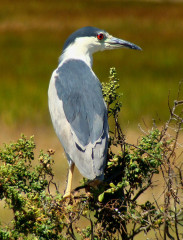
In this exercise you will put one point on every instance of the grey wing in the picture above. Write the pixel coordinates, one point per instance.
(83, 104)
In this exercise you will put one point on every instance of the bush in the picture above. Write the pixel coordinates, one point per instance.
(112, 207)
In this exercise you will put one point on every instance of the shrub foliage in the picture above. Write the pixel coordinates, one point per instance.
(117, 208)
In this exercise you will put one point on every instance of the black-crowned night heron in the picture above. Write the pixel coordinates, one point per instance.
(76, 104)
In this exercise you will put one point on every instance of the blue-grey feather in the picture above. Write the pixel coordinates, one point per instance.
(81, 94)
(82, 32)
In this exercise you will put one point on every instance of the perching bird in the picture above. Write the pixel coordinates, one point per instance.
(76, 104)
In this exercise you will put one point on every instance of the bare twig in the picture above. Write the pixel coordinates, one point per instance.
(143, 189)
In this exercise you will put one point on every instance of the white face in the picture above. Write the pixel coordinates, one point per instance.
(93, 44)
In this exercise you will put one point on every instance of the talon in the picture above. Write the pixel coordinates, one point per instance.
(67, 195)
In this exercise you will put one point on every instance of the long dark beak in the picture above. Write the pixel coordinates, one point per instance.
(119, 43)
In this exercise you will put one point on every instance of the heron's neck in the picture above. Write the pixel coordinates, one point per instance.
(77, 52)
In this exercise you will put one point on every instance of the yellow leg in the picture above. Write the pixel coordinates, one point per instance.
(69, 181)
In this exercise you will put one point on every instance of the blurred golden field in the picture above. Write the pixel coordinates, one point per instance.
(32, 34)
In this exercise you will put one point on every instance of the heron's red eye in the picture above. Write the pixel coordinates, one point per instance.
(100, 36)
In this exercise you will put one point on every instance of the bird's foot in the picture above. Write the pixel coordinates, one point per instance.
(67, 195)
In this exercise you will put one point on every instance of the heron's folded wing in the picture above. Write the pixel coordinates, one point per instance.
(80, 91)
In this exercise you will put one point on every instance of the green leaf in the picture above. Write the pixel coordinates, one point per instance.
(101, 197)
